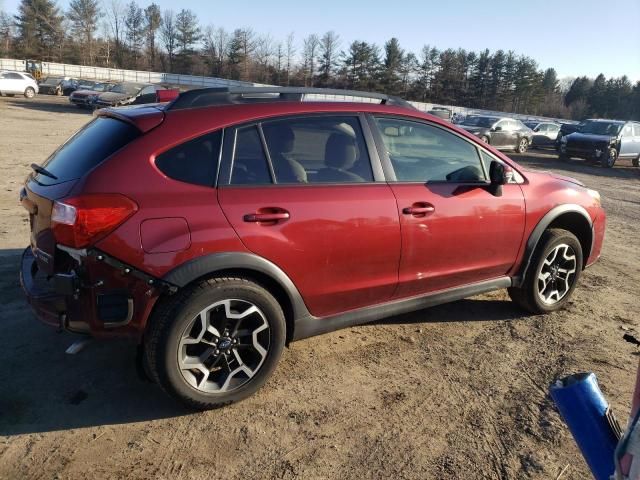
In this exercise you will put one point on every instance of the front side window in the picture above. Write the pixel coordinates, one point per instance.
(627, 131)
(195, 161)
(322, 149)
(636, 130)
(424, 153)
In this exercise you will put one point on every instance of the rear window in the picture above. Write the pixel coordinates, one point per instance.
(87, 149)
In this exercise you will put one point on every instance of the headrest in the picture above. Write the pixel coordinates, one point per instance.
(340, 152)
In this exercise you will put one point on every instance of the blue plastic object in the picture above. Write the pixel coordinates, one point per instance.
(584, 409)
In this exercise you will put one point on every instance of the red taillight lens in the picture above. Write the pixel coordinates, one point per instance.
(79, 221)
(167, 95)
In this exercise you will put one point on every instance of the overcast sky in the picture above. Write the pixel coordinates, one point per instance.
(583, 37)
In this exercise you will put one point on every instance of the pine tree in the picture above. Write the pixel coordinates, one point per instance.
(39, 26)
(188, 33)
(391, 74)
(134, 27)
(83, 15)
(328, 59)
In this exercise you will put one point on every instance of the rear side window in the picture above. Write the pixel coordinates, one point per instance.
(87, 149)
(249, 161)
(195, 161)
(323, 149)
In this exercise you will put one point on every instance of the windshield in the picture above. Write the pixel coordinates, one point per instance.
(479, 121)
(601, 128)
(52, 81)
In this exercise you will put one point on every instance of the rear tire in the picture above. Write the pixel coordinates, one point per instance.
(216, 342)
(29, 92)
(552, 275)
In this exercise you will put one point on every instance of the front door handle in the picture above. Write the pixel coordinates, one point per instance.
(419, 209)
(275, 215)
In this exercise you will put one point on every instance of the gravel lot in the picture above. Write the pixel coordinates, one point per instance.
(455, 392)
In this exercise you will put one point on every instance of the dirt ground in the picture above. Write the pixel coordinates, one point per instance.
(454, 392)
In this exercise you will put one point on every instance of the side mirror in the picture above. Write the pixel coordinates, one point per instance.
(536, 129)
(499, 174)
(497, 129)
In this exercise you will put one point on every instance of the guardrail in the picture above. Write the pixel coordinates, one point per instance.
(120, 75)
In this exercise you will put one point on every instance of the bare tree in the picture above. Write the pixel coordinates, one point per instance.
(290, 52)
(116, 15)
(264, 53)
(329, 45)
(221, 40)
(168, 32)
(6, 33)
(309, 55)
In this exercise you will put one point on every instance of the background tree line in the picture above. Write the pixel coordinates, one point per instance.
(113, 33)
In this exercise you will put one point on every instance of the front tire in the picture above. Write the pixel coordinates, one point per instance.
(552, 275)
(485, 139)
(29, 92)
(523, 145)
(215, 343)
(609, 160)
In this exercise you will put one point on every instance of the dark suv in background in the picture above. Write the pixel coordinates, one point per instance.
(217, 228)
(502, 133)
(603, 141)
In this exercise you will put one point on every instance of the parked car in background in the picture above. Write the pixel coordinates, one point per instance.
(57, 86)
(502, 133)
(87, 92)
(127, 94)
(441, 112)
(566, 129)
(603, 141)
(215, 229)
(545, 134)
(18, 83)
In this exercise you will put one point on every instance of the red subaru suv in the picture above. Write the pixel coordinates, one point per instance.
(218, 228)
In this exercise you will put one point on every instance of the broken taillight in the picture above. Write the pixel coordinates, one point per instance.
(78, 222)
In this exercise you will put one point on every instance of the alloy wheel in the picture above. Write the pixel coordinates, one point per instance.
(223, 347)
(522, 146)
(557, 274)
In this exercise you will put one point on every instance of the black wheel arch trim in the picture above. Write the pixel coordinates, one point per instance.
(540, 228)
(202, 266)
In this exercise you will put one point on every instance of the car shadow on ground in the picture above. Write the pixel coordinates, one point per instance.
(54, 104)
(43, 389)
(545, 159)
(468, 310)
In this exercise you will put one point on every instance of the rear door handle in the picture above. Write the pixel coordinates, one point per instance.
(267, 217)
(419, 209)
